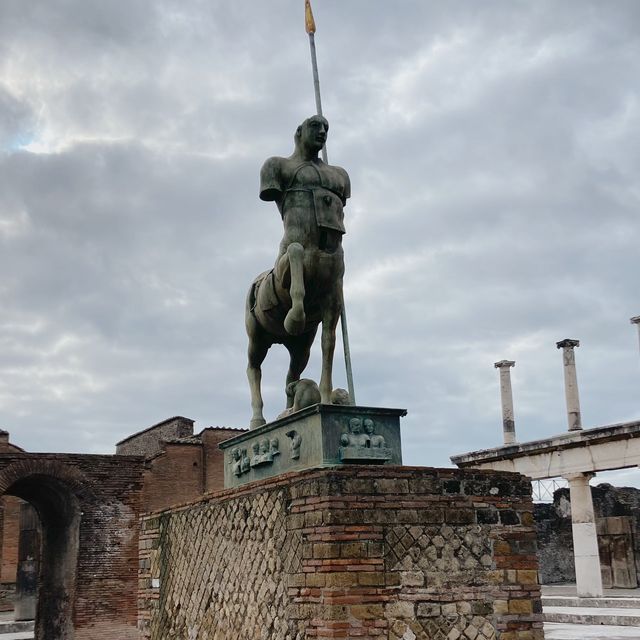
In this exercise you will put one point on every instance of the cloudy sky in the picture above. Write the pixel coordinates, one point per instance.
(494, 155)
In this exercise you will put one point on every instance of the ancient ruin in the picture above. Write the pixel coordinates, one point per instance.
(576, 456)
(305, 527)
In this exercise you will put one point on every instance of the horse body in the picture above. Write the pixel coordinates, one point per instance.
(269, 302)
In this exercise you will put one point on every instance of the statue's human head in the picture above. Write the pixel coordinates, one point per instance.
(235, 454)
(368, 426)
(355, 425)
(264, 445)
(311, 135)
(256, 448)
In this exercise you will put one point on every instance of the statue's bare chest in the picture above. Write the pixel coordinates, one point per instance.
(311, 175)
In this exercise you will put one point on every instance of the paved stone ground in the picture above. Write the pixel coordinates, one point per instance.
(552, 630)
(627, 606)
(561, 631)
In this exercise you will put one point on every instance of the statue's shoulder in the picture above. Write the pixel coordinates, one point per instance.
(271, 178)
(273, 162)
(344, 182)
(342, 172)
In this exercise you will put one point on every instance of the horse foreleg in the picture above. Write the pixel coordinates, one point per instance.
(295, 320)
(257, 354)
(299, 349)
(328, 343)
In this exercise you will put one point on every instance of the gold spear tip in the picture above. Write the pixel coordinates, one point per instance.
(309, 22)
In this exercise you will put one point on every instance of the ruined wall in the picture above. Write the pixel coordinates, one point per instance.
(555, 540)
(185, 470)
(102, 493)
(214, 457)
(173, 477)
(9, 531)
(148, 442)
(350, 552)
(553, 525)
(10, 528)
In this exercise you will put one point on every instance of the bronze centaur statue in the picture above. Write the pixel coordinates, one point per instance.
(287, 304)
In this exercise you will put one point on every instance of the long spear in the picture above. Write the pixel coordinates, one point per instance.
(310, 27)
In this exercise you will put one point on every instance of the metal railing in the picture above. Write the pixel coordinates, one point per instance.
(543, 490)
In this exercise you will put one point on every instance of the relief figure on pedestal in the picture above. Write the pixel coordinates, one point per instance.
(245, 465)
(255, 458)
(296, 441)
(374, 440)
(364, 448)
(355, 437)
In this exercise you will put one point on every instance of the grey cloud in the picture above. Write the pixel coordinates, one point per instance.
(494, 158)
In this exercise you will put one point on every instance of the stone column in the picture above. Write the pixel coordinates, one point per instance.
(585, 539)
(508, 423)
(571, 382)
(636, 320)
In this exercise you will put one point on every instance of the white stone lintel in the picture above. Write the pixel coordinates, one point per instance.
(588, 451)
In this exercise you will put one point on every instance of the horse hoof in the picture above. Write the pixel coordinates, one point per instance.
(294, 323)
(256, 422)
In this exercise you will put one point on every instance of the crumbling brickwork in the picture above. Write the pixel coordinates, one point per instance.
(148, 442)
(351, 552)
(89, 508)
(185, 469)
(10, 510)
(555, 538)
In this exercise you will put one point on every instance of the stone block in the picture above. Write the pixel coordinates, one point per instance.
(428, 610)
(522, 606)
(318, 436)
(400, 609)
(412, 578)
(367, 611)
(527, 576)
(500, 607)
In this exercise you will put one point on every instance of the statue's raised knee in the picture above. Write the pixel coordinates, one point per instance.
(295, 320)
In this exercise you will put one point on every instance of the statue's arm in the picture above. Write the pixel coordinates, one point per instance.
(346, 185)
(271, 187)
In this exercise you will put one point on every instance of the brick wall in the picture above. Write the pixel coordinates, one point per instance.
(103, 494)
(353, 552)
(10, 531)
(173, 477)
(214, 457)
(184, 471)
(149, 442)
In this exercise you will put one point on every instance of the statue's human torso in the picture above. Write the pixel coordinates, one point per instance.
(308, 190)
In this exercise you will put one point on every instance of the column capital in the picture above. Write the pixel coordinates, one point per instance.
(504, 363)
(587, 475)
(635, 320)
(568, 342)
